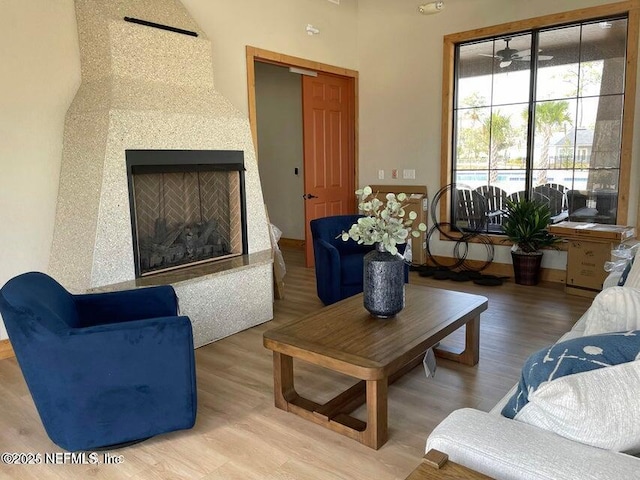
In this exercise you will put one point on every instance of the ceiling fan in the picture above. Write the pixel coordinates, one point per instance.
(507, 55)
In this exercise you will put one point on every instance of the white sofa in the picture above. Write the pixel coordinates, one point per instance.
(508, 449)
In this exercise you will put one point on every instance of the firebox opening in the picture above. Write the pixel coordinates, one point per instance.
(187, 207)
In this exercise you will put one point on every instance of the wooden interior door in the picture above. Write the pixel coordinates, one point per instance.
(329, 149)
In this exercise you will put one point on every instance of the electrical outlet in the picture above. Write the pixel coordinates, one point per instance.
(394, 173)
(408, 173)
(380, 174)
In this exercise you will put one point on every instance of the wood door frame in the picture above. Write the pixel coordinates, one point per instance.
(254, 54)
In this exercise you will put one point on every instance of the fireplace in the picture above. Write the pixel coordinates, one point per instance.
(149, 88)
(187, 207)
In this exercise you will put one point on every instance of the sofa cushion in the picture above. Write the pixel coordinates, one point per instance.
(614, 309)
(505, 449)
(585, 389)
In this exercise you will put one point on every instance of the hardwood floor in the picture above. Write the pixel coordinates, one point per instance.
(239, 434)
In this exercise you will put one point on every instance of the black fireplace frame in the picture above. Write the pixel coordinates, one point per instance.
(171, 161)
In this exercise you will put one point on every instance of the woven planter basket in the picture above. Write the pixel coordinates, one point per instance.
(526, 267)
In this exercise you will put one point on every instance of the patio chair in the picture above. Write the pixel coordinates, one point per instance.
(521, 195)
(496, 203)
(470, 210)
(555, 201)
(564, 190)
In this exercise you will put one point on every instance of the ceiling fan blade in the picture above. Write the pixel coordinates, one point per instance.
(527, 58)
(487, 55)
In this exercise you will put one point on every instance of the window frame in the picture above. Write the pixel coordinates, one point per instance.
(631, 8)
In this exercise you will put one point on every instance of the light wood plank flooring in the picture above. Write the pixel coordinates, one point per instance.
(239, 434)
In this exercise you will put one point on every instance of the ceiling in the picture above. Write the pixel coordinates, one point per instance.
(593, 41)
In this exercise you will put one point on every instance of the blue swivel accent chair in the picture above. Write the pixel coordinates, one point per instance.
(339, 264)
(103, 369)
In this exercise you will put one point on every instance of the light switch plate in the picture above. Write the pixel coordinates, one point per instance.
(409, 173)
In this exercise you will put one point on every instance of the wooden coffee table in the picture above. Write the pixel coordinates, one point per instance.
(343, 337)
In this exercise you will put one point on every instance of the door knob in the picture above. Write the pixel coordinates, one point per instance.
(308, 196)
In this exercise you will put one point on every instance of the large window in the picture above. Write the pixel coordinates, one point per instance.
(539, 113)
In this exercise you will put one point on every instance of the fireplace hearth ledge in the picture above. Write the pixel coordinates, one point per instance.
(216, 316)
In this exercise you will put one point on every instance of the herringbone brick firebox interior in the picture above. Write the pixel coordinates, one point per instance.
(184, 215)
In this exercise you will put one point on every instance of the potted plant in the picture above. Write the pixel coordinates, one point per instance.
(525, 224)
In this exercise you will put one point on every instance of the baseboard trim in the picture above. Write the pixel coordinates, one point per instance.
(291, 243)
(581, 292)
(6, 350)
(506, 269)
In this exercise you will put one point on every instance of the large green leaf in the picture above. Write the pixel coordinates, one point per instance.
(525, 224)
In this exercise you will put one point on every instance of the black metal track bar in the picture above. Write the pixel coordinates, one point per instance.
(159, 25)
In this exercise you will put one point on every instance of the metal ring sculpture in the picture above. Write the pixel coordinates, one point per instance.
(461, 257)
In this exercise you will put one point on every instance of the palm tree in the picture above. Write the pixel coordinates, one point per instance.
(472, 142)
(549, 117)
(502, 137)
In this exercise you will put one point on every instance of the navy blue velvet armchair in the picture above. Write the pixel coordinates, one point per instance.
(338, 264)
(103, 369)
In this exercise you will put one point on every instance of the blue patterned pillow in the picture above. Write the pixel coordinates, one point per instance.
(572, 356)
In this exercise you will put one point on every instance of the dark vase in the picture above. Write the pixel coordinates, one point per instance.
(383, 279)
(526, 267)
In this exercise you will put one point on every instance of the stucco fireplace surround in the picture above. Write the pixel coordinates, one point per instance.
(148, 88)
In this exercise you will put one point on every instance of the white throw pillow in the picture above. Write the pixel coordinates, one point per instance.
(598, 407)
(613, 310)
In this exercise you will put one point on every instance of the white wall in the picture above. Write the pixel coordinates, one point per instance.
(400, 65)
(40, 75)
(279, 118)
(397, 51)
(276, 25)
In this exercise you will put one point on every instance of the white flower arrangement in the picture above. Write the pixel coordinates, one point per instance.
(383, 225)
